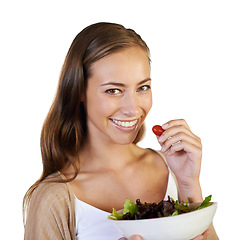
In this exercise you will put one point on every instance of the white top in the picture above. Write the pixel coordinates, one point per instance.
(92, 223)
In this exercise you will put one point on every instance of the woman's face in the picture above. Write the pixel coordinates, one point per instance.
(118, 96)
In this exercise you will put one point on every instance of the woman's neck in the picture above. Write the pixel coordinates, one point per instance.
(95, 156)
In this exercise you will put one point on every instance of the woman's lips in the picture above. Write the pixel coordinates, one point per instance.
(125, 123)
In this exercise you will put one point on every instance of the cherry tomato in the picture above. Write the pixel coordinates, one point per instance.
(157, 130)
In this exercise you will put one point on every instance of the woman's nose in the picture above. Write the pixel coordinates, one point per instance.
(130, 106)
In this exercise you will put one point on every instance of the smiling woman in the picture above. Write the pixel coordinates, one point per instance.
(68, 130)
(91, 162)
(117, 109)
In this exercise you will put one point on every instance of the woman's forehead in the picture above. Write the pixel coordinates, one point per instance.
(128, 63)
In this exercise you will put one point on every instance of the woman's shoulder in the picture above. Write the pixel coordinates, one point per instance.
(150, 153)
(158, 158)
(153, 157)
(51, 210)
(158, 155)
(51, 191)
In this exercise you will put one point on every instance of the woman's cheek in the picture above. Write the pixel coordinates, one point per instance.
(146, 103)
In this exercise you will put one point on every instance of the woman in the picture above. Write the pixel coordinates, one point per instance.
(91, 162)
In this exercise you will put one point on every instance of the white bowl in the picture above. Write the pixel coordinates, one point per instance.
(180, 227)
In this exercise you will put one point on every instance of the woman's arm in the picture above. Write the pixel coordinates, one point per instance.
(51, 213)
(183, 152)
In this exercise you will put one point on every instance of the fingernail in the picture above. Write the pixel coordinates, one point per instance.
(136, 238)
(165, 126)
(200, 238)
(161, 138)
(162, 149)
(209, 231)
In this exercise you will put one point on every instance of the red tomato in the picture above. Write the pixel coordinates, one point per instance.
(157, 130)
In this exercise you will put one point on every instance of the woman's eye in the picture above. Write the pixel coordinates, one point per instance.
(144, 88)
(113, 91)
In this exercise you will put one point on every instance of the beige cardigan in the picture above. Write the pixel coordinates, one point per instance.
(51, 213)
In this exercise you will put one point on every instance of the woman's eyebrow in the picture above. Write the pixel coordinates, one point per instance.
(122, 84)
(144, 81)
(113, 83)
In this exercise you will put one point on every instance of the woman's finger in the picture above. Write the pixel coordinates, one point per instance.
(170, 142)
(204, 235)
(170, 132)
(134, 237)
(183, 145)
(199, 237)
(177, 122)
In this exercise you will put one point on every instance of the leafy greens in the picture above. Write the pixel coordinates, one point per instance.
(138, 210)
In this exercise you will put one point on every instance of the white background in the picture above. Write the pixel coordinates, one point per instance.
(194, 51)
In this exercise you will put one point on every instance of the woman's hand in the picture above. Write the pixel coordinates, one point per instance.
(204, 235)
(200, 237)
(134, 237)
(183, 152)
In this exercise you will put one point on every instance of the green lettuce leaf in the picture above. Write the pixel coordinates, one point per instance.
(181, 206)
(206, 202)
(129, 206)
(115, 215)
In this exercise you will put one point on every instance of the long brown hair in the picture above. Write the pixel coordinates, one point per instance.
(65, 128)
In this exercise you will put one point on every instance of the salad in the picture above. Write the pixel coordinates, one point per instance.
(138, 210)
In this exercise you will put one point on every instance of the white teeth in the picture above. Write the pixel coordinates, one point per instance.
(125, 124)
